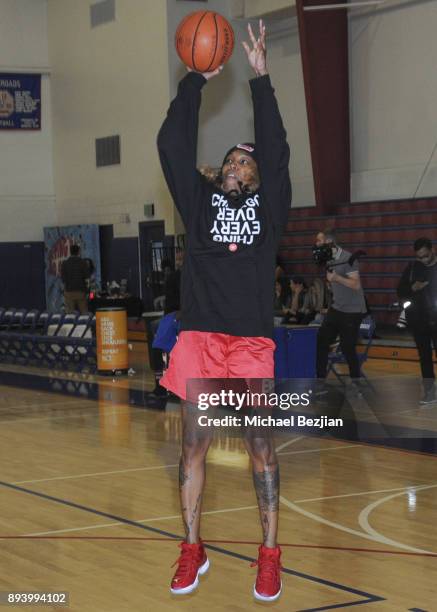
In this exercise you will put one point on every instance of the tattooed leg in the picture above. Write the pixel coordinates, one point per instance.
(265, 470)
(195, 444)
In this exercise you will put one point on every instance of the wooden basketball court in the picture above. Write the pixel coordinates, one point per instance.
(89, 505)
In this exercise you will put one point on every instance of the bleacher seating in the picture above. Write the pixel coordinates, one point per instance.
(54, 340)
(385, 230)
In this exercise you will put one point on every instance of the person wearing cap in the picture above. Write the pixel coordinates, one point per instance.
(234, 221)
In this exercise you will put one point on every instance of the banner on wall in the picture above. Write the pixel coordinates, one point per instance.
(20, 101)
(57, 243)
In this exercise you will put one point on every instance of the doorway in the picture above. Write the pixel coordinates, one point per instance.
(151, 234)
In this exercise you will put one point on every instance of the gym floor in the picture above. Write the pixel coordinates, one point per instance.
(90, 502)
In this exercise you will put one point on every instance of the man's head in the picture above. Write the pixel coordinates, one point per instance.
(297, 283)
(239, 171)
(424, 251)
(326, 236)
(74, 250)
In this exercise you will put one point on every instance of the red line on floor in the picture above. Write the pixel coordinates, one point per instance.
(284, 545)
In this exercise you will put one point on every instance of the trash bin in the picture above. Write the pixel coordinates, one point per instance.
(112, 348)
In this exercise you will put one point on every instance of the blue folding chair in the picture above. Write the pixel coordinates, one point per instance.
(30, 321)
(39, 344)
(78, 348)
(58, 330)
(7, 317)
(18, 319)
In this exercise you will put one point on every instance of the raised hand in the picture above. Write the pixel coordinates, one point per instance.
(257, 54)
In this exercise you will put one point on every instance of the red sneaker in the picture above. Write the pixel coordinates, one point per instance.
(192, 562)
(268, 585)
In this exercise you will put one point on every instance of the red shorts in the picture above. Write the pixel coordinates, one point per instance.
(210, 355)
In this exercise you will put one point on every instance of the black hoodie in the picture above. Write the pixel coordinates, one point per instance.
(231, 243)
(423, 308)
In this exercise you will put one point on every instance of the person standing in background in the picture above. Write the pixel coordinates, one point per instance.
(346, 312)
(418, 285)
(297, 304)
(74, 273)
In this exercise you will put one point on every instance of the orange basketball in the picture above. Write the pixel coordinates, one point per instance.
(204, 40)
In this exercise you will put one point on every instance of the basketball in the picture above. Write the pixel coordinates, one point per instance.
(204, 40)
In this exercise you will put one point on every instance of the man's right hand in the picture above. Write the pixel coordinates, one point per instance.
(419, 285)
(208, 75)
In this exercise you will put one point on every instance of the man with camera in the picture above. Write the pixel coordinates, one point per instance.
(417, 290)
(348, 307)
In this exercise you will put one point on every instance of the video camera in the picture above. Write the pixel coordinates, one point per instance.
(323, 255)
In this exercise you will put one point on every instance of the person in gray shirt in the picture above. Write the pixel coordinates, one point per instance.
(347, 310)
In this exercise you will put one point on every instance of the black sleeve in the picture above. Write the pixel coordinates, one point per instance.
(172, 293)
(272, 150)
(177, 144)
(404, 290)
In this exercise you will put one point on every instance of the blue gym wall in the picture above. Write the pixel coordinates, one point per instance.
(119, 259)
(22, 281)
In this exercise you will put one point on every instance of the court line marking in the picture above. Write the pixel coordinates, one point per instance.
(340, 527)
(369, 598)
(363, 519)
(292, 441)
(301, 501)
(24, 420)
(320, 450)
(148, 520)
(249, 542)
(86, 381)
(416, 410)
(68, 401)
(377, 446)
(311, 450)
(175, 516)
(153, 467)
(60, 406)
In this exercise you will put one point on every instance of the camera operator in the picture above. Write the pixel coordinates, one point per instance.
(418, 285)
(348, 306)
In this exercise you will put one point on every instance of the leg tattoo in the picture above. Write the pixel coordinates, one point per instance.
(195, 445)
(267, 489)
(183, 475)
(267, 492)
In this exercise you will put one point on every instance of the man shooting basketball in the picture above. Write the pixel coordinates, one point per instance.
(233, 228)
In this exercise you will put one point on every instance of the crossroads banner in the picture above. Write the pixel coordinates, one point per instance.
(20, 101)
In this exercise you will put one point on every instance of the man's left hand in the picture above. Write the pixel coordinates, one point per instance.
(331, 277)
